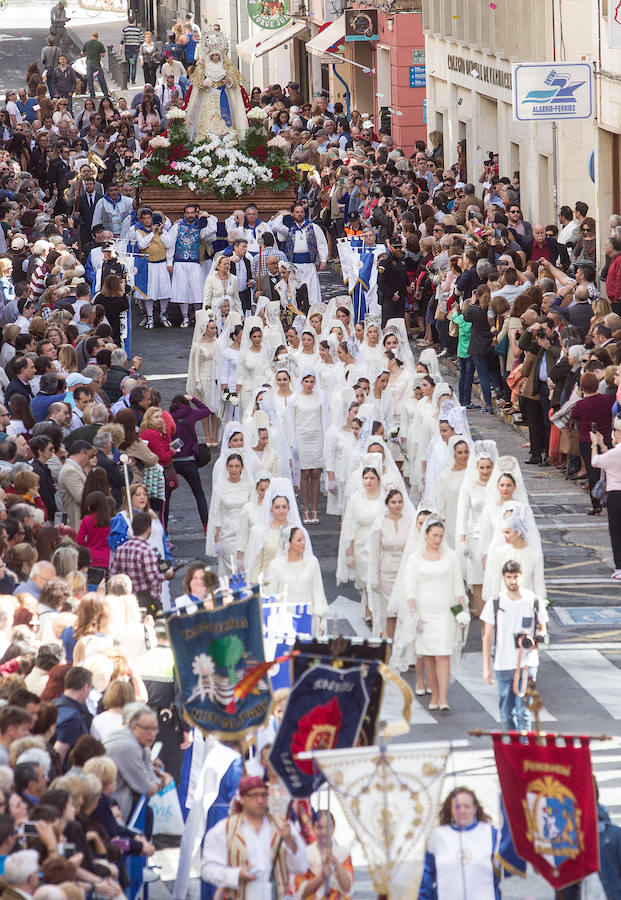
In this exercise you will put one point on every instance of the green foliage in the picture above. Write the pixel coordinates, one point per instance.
(227, 652)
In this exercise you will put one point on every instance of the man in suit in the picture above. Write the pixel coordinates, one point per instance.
(240, 266)
(91, 191)
(24, 373)
(71, 481)
(542, 247)
(270, 279)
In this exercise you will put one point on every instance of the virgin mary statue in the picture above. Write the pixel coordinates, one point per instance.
(216, 105)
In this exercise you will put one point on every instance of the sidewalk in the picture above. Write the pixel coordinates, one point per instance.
(108, 26)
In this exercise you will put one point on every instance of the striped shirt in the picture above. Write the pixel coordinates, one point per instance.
(265, 255)
(132, 36)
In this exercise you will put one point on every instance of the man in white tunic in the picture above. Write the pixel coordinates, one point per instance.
(248, 851)
(183, 242)
(305, 246)
(250, 225)
(112, 210)
(147, 234)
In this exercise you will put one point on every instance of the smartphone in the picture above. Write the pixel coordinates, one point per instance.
(156, 749)
(177, 444)
(593, 427)
(29, 829)
(157, 219)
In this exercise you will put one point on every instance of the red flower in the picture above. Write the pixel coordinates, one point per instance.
(317, 730)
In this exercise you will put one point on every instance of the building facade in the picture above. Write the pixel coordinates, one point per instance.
(471, 48)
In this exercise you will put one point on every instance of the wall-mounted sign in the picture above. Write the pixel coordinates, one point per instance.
(418, 76)
(418, 57)
(360, 24)
(614, 25)
(544, 91)
(268, 13)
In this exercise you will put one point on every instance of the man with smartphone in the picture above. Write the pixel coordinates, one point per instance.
(147, 236)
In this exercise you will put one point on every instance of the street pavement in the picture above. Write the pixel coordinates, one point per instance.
(579, 676)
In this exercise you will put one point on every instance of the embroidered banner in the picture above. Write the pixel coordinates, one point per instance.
(214, 650)
(325, 710)
(549, 800)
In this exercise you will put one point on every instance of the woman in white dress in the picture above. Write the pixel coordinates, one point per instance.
(296, 571)
(308, 357)
(521, 542)
(250, 514)
(433, 586)
(260, 449)
(340, 444)
(371, 349)
(230, 494)
(228, 376)
(387, 541)
(379, 396)
(427, 430)
(232, 439)
(204, 371)
(361, 511)
(397, 390)
(330, 370)
(221, 283)
(279, 509)
(428, 364)
(315, 317)
(308, 419)
(253, 362)
(506, 486)
(402, 350)
(469, 518)
(417, 424)
(451, 480)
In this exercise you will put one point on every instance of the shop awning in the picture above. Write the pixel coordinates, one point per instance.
(329, 37)
(264, 41)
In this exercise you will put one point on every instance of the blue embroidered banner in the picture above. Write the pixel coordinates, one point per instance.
(214, 649)
(324, 711)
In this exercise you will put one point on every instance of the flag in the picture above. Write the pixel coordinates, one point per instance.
(325, 709)
(549, 800)
(214, 650)
(505, 857)
(391, 799)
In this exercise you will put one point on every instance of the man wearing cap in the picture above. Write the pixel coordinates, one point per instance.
(305, 246)
(250, 852)
(147, 235)
(392, 282)
(72, 381)
(48, 393)
(112, 209)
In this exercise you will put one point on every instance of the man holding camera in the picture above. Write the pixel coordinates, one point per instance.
(514, 624)
(542, 347)
(147, 234)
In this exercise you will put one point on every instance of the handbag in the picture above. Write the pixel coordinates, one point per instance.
(502, 347)
(203, 455)
(154, 481)
(172, 482)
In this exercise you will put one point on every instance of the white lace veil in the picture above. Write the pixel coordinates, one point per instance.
(481, 450)
(429, 358)
(220, 483)
(278, 487)
(374, 461)
(404, 351)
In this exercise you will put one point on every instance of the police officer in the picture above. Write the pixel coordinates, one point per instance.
(392, 282)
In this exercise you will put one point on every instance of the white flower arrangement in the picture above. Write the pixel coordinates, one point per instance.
(175, 113)
(278, 141)
(256, 113)
(159, 141)
(232, 398)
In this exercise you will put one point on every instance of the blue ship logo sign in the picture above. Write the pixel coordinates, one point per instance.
(557, 96)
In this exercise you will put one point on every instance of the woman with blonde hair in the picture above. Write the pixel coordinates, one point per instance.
(601, 308)
(91, 630)
(68, 359)
(7, 290)
(116, 696)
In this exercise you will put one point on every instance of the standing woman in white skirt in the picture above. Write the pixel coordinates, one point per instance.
(308, 419)
(449, 487)
(278, 510)
(470, 505)
(433, 585)
(362, 510)
(340, 444)
(397, 390)
(296, 569)
(228, 376)
(204, 372)
(253, 362)
(387, 540)
(250, 514)
(230, 494)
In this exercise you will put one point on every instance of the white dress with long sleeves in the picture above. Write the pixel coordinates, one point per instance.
(228, 379)
(448, 494)
(469, 524)
(227, 502)
(250, 373)
(360, 514)
(303, 581)
(386, 549)
(339, 448)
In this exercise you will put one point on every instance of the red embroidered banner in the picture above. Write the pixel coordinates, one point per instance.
(550, 803)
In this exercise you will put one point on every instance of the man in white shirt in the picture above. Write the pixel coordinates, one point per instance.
(570, 227)
(13, 109)
(514, 623)
(511, 286)
(251, 851)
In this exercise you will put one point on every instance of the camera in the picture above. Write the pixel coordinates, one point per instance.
(524, 641)
(541, 333)
(69, 849)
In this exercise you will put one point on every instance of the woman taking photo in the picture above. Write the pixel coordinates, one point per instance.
(459, 863)
(187, 412)
(140, 457)
(608, 462)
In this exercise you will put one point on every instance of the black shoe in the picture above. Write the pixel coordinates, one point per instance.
(545, 461)
(533, 460)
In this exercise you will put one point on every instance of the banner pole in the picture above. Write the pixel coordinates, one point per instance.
(479, 732)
